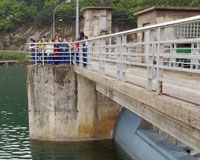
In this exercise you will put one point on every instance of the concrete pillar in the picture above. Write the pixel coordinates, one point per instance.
(97, 113)
(64, 106)
(97, 21)
(52, 102)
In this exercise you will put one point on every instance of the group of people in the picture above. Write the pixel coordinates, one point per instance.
(59, 50)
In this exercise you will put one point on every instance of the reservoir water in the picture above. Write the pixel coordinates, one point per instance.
(14, 133)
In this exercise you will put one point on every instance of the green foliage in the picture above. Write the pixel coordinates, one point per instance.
(16, 12)
(14, 56)
(13, 13)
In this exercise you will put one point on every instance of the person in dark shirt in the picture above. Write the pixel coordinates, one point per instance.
(84, 48)
(66, 57)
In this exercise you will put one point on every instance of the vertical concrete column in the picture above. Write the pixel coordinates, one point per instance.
(107, 116)
(64, 106)
(97, 114)
(86, 105)
(52, 103)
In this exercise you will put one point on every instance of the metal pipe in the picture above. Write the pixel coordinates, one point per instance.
(54, 23)
(77, 18)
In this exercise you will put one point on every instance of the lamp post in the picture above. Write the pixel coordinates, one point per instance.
(77, 18)
(54, 13)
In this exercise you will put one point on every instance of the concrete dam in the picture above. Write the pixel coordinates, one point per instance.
(66, 106)
(139, 87)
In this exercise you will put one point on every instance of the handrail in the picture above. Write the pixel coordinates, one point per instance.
(147, 60)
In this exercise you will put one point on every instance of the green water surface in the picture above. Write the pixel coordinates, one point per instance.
(14, 132)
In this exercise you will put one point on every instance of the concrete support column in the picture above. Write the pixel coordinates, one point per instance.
(64, 106)
(52, 103)
(97, 113)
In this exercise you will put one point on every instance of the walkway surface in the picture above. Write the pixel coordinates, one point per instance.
(136, 76)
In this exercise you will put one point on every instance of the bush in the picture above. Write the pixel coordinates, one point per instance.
(14, 56)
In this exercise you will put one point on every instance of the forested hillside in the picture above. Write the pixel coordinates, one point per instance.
(16, 12)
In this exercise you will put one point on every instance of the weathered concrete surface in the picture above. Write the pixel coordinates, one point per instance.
(97, 21)
(177, 118)
(66, 107)
(97, 113)
(156, 15)
(52, 108)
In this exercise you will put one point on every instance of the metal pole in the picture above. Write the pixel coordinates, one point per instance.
(77, 18)
(53, 33)
(54, 19)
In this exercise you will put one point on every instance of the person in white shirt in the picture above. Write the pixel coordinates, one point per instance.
(49, 51)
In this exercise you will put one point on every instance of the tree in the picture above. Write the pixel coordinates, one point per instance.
(16, 12)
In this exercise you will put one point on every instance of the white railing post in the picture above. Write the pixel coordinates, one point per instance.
(103, 43)
(36, 52)
(101, 56)
(89, 55)
(149, 58)
(160, 50)
(110, 49)
(198, 53)
(43, 54)
(192, 61)
(81, 54)
(77, 53)
(174, 59)
(119, 40)
(70, 55)
(123, 57)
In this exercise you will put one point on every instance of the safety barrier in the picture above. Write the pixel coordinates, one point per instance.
(151, 53)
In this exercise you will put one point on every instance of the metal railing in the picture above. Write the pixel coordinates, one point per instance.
(52, 53)
(145, 55)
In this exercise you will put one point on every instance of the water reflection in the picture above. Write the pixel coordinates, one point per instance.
(14, 133)
(91, 150)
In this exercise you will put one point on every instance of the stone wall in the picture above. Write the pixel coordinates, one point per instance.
(170, 15)
(147, 19)
(157, 16)
(93, 21)
(64, 106)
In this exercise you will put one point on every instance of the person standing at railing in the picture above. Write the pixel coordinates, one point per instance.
(49, 51)
(85, 52)
(77, 51)
(33, 47)
(66, 57)
(56, 37)
(60, 56)
(72, 48)
(42, 51)
(56, 53)
(84, 49)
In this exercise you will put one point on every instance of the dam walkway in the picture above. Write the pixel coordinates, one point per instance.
(152, 71)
